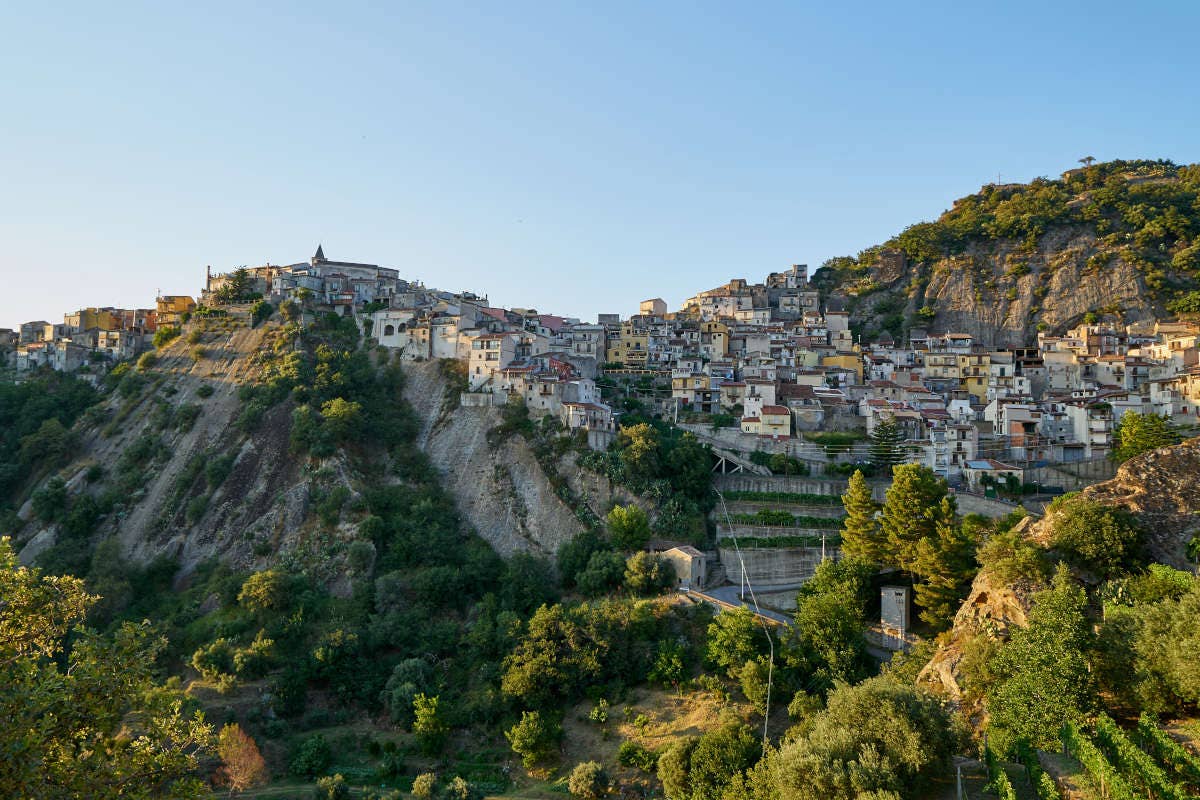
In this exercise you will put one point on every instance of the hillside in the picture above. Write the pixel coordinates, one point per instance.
(1118, 240)
(1156, 488)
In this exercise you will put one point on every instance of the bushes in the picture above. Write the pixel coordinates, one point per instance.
(535, 738)
(588, 781)
(1102, 538)
(165, 335)
(147, 360)
(632, 754)
(311, 758)
(1135, 765)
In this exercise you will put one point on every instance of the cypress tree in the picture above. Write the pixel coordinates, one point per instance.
(860, 530)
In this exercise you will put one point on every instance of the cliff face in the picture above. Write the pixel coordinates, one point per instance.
(256, 511)
(501, 491)
(1000, 293)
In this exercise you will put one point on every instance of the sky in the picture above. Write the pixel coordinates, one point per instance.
(574, 158)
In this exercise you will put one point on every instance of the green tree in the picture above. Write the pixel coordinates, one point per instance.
(1042, 676)
(603, 573)
(268, 591)
(826, 642)
(1139, 433)
(534, 738)
(735, 637)
(342, 418)
(428, 726)
(718, 756)
(423, 785)
(674, 766)
(647, 574)
(1105, 539)
(945, 566)
(887, 444)
(628, 527)
(860, 530)
(588, 781)
(639, 448)
(312, 757)
(912, 510)
(879, 738)
(88, 722)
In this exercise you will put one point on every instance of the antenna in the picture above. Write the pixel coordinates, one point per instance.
(758, 615)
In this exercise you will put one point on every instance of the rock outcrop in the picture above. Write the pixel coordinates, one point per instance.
(501, 491)
(1000, 293)
(1159, 487)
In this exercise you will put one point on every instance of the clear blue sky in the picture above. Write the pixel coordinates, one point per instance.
(553, 155)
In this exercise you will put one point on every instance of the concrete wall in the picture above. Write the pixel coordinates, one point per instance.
(739, 482)
(1073, 476)
(984, 506)
(773, 566)
(482, 400)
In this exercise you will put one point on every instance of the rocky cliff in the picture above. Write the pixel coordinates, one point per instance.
(1158, 487)
(501, 490)
(1002, 293)
(196, 485)
(1118, 241)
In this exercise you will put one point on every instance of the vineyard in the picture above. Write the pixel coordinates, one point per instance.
(1146, 764)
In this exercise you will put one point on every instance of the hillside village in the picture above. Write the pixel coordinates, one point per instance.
(749, 367)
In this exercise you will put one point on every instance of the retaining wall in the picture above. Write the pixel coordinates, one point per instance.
(773, 566)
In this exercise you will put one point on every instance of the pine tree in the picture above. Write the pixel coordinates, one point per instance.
(860, 530)
(945, 566)
(911, 512)
(887, 445)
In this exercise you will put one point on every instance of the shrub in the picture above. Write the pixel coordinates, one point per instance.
(312, 757)
(147, 360)
(534, 738)
(204, 391)
(423, 785)
(198, 353)
(1102, 538)
(632, 754)
(164, 336)
(331, 788)
(588, 780)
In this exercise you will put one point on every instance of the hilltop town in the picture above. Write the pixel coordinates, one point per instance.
(750, 368)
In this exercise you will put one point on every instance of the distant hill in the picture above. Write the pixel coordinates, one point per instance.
(1118, 240)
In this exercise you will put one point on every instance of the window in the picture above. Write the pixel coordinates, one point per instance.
(389, 330)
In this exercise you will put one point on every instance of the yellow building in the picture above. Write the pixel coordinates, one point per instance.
(172, 307)
(974, 370)
(942, 365)
(630, 347)
(851, 362)
(88, 318)
(775, 421)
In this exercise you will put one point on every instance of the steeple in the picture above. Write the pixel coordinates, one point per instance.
(320, 256)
